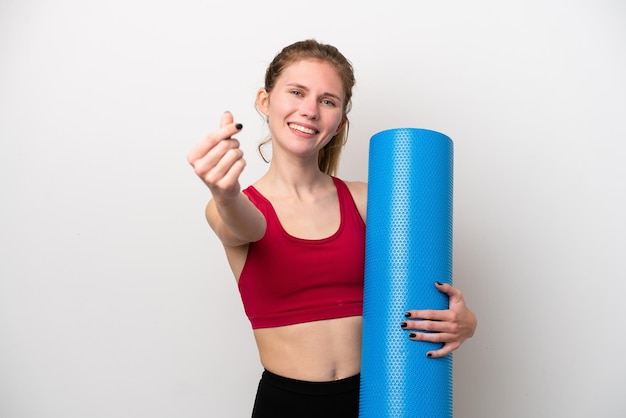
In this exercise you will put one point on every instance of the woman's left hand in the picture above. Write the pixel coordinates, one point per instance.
(450, 327)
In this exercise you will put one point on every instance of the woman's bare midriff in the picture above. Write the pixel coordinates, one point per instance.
(316, 351)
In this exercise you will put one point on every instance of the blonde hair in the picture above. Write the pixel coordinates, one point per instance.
(328, 159)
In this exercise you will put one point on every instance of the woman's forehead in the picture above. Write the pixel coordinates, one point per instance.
(313, 74)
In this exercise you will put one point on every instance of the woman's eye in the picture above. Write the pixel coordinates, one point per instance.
(328, 102)
(296, 93)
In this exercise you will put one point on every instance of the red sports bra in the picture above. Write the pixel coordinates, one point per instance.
(288, 280)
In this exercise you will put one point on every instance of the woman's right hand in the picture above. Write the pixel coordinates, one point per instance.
(218, 160)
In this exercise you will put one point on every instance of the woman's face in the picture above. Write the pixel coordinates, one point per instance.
(305, 108)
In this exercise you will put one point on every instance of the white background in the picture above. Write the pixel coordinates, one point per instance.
(115, 297)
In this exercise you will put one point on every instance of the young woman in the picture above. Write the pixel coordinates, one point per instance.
(295, 240)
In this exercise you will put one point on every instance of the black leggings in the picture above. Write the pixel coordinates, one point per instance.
(279, 397)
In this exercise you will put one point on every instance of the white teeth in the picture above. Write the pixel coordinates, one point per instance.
(302, 129)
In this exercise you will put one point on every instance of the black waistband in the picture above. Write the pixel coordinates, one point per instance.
(333, 387)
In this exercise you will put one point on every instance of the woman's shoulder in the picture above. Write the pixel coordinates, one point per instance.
(358, 190)
(356, 187)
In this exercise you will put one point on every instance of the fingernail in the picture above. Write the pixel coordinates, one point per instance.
(407, 314)
(239, 126)
(429, 355)
(439, 283)
(404, 325)
(412, 335)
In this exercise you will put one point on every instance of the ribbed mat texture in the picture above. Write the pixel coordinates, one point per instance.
(408, 247)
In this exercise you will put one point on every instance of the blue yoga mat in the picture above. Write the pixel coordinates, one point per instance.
(408, 247)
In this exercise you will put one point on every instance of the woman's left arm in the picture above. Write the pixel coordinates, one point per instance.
(450, 327)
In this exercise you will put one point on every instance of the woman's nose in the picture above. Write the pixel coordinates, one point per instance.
(309, 108)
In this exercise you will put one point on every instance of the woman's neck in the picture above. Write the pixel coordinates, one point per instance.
(293, 179)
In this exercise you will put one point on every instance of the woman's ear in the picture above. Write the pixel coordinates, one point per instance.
(263, 101)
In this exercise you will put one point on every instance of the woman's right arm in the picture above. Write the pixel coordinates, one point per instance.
(218, 161)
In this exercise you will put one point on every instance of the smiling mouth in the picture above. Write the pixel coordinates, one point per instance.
(303, 129)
